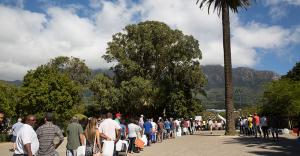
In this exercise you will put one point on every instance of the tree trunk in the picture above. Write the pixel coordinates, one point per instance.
(230, 126)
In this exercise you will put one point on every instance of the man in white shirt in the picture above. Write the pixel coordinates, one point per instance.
(110, 129)
(27, 143)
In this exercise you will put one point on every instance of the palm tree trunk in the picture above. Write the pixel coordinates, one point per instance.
(230, 126)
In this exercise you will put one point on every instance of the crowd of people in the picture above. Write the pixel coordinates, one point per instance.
(131, 134)
(262, 126)
(114, 135)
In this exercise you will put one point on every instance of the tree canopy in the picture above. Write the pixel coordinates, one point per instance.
(166, 58)
(49, 89)
(281, 97)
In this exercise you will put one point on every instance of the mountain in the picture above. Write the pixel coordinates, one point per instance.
(248, 85)
(16, 82)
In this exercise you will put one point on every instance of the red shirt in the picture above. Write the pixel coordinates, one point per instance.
(256, 119)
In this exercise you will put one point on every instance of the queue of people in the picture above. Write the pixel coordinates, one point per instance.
(102, 135)
(110, 135)
(254, 125)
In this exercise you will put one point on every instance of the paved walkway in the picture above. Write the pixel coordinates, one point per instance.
(204, 144)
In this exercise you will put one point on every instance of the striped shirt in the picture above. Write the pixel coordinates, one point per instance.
(46, 134)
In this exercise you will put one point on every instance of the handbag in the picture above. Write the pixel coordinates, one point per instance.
(88, 149)
(96, 153)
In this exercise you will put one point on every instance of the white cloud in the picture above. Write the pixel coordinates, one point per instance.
(255, 35)
(277, 12)
(278, 8)
(276, 2)
(29, 39)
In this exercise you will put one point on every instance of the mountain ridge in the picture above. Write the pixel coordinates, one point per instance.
(248, 85)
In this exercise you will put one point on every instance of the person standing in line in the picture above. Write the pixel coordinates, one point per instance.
(133, 131)
(110, 130)
(118, 118)
(75, 137)
(148, 131)
(264, 126)
(246, 125)
(27, 143)
(210, 124)
(177, 126)
(92, 138)
(167, 127)
(141, 121)
(160, 130)
(50, 137)
(256, 125)
(15, 129)
(250, 124)
(275, 125)
(242, 125)
(154, 131)
(123, 129)
(173, 128)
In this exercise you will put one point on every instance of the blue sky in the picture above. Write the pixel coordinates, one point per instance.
(266, 36)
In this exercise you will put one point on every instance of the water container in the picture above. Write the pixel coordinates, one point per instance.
(108, 148)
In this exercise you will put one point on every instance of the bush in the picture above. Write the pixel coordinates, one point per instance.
(4, 137)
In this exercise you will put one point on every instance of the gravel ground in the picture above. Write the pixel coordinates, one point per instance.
(205, 144)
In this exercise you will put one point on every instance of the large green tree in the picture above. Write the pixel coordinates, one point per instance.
(166, 57)
(48, 89)
(223, 6)
(281, 97)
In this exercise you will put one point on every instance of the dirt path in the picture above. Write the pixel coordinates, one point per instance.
(204, 144)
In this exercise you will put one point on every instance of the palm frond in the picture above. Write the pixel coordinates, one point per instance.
(233, 5)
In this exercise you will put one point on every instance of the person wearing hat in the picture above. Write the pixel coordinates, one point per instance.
(141, 121)
(118, 118)
(250, 124)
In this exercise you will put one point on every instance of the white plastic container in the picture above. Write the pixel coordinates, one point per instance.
(108, 148)
(119, 145)
(144, 138)
(81, 151)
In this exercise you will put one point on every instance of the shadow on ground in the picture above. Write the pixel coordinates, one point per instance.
(268, 147)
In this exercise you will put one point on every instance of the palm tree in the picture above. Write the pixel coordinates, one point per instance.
(224, 6)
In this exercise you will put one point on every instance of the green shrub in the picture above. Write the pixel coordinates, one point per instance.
(4, 137)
